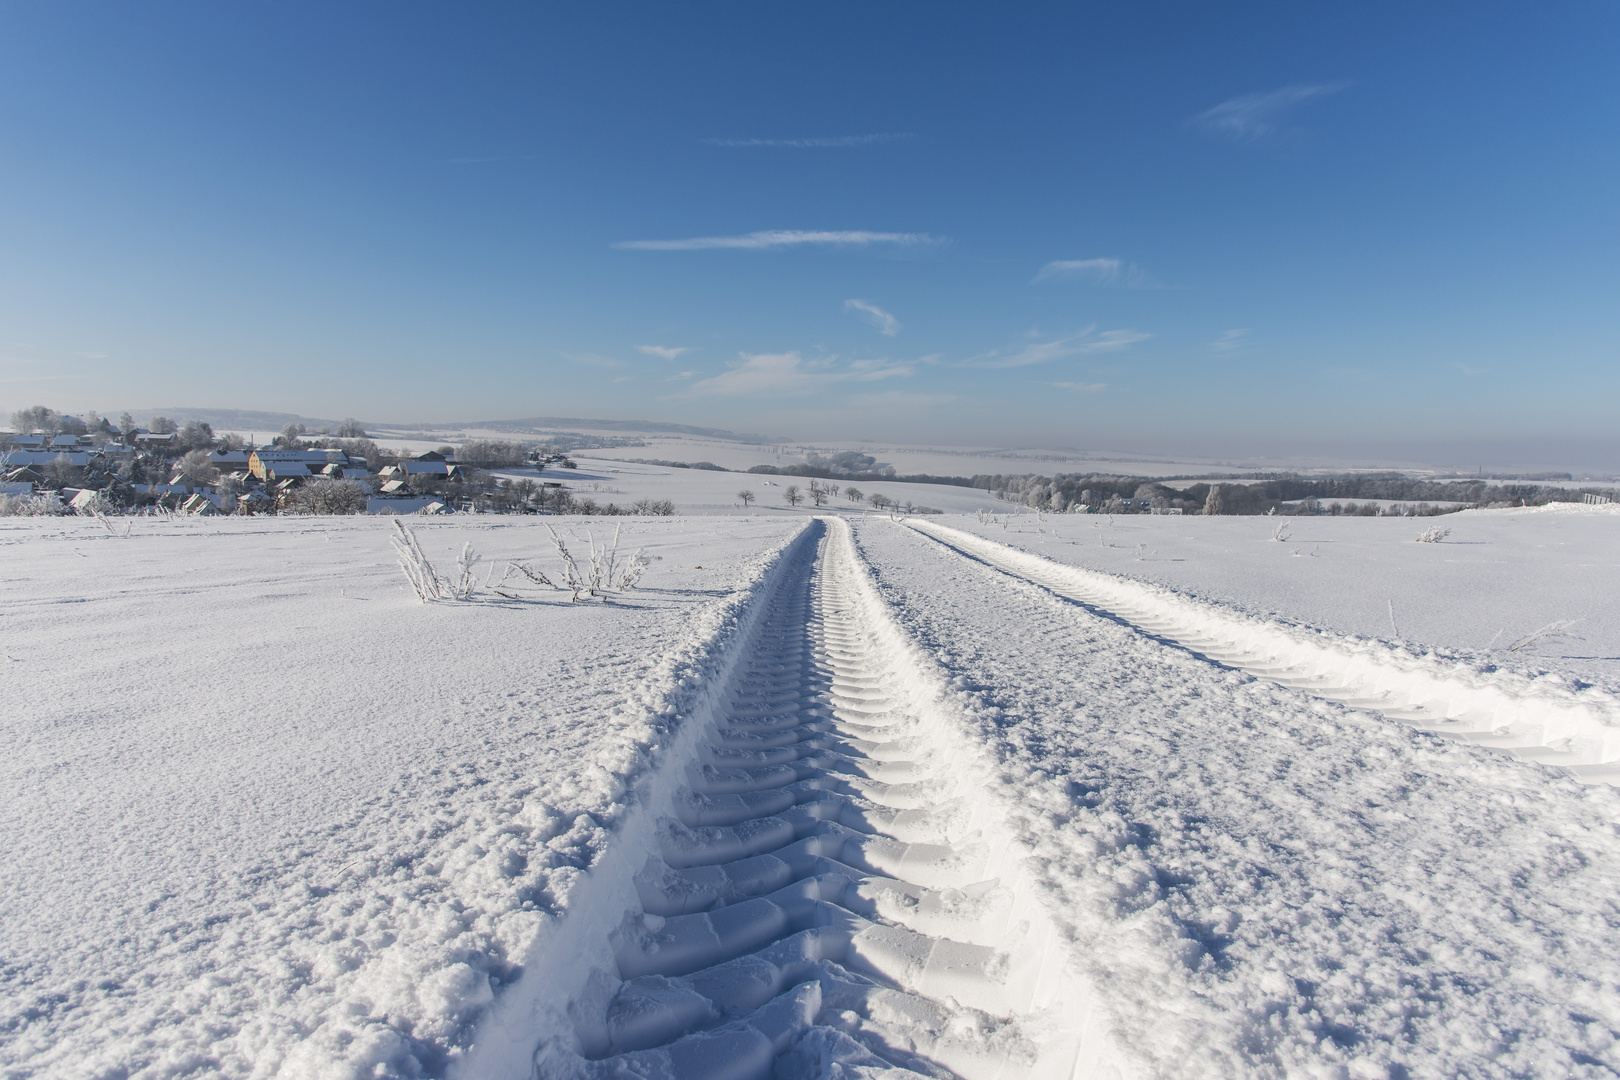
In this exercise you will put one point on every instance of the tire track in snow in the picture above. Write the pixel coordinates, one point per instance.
(826, 894)
(1580, 733)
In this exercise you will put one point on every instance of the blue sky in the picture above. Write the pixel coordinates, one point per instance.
(1361, 230)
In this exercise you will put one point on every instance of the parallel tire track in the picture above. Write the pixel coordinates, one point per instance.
(829, 895)
(1578, 732)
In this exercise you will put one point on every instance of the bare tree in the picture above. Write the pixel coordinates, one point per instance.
(818, 493)
(853, 494)
(745, 497)
(878, 500)
(792, 494)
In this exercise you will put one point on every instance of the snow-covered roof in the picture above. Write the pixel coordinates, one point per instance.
(42, 457)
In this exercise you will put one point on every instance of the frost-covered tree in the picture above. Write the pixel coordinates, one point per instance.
(745, 497)
(351, 429)
(196, 468)
(879, 500)
(37, 420)
(1212, 502)
(162, 425)
(196, 435)
(793, 495)
(853, 494)
(59, 472)
(330, 497)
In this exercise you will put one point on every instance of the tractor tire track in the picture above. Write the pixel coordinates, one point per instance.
(1577, 732)
(829, 893)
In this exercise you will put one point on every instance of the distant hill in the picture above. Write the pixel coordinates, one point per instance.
(253, 420)
(551, 423)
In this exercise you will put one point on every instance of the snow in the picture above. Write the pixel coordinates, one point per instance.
(1496, 579)
(707, 492)
(1263, 884)
(268, 815)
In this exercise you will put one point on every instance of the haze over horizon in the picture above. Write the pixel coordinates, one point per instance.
(1365, 232)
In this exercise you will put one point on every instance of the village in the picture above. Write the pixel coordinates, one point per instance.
(55, 464)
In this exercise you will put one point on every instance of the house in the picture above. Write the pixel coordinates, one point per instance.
(434, 507)
(271, 465)
(286, 462)
(394, 487)
(198, 505)
(254, 502)
(146, 440)
(426, 468)
(40, 458)
(85, 500)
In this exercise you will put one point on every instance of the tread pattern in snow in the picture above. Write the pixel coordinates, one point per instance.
(824, 900)
(1579, 734)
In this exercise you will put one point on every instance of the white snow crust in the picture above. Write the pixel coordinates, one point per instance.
(267, 815)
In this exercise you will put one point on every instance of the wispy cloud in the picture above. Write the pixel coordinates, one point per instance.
(1082, 387)
(1230, 341)
(819, 143)
(1041, 352)
(1467, 370)
(1255, 116)
(779, 238)
(783, 374)
(1095, 272)
(886, 324)
(680, 376)
(664, 352)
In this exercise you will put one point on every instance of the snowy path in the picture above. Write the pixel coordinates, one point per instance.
(1532, 720)
(1257, 882)
(826, 885)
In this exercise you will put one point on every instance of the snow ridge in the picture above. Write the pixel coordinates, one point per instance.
(1534, 720)
(821, 889)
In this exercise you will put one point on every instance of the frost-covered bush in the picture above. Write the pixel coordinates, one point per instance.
(1433, 535)
(330, 497)
(31, 506)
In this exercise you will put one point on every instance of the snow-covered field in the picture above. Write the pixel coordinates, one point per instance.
(822, 797)
(701, 491)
